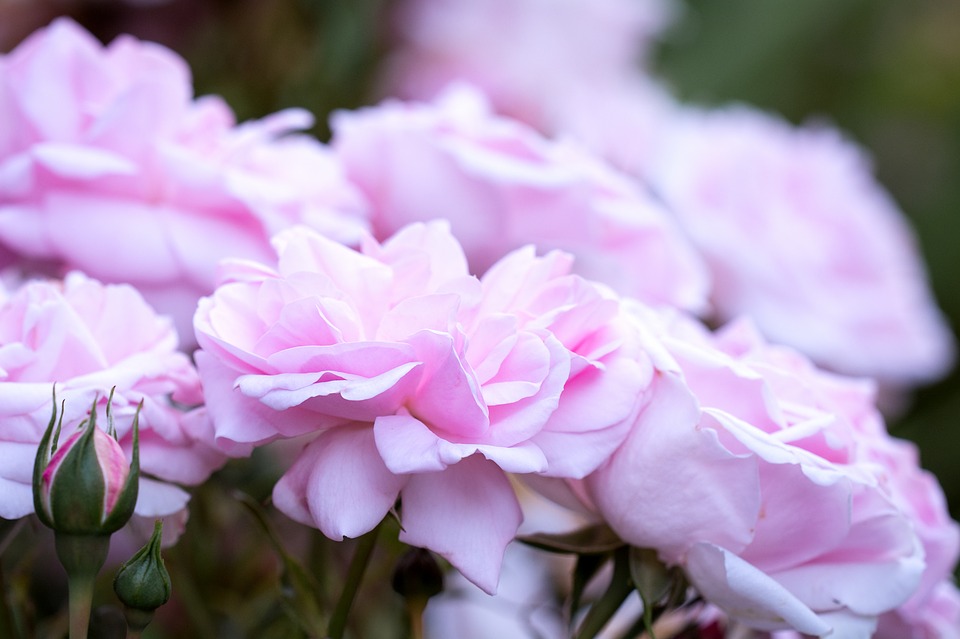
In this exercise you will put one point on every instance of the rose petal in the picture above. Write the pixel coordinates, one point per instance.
(467, 514)
(747, 594)
(339, 484)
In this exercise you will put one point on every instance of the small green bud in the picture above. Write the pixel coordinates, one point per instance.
(143, 583)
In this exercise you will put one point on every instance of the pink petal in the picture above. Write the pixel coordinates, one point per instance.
(747, 594)
(467, 514)
(239, 422)
(672, 484)
(449, 398)
(82, 162)
(339, 484)
(408, 446)
(159, 499)
(528, 418)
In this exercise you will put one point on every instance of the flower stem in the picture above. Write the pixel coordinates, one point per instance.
(358, 565)
(82, 556)
(608, 604)
(81, 600)
(415, 608)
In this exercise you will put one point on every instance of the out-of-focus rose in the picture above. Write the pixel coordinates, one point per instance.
(108, 165)
(502, 185)
(764, 490)
(88, 338)
(419, 381)
(529, 56)
(800, 237)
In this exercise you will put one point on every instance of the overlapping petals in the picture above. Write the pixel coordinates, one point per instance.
(420, 382)
(88, 338)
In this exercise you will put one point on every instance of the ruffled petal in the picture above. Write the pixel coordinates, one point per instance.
(748, 594)
(467, 514)
(339, 484)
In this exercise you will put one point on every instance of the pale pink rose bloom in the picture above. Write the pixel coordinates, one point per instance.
(88, 338)
(800, 236)
(529, 56)
(108, 165)
(502, 185)
(418, 381)
(763, 489)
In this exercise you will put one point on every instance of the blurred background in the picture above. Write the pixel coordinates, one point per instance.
(884, 71)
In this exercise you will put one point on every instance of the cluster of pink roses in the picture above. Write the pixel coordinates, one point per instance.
(384, 305)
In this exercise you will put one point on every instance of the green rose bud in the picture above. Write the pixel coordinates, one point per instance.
(143, 583)
(85, 487)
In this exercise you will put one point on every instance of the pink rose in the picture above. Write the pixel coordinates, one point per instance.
(800, 237)
(763, 491)
(502, 185)
(108, 165)
(418, 381)
(527, 55)
(88, 338)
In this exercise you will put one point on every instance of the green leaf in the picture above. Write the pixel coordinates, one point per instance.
(594, 539)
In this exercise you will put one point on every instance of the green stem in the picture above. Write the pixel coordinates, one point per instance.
(137, 621)
(81, 600)
(415, 608)
(604, 608)
(82, 556)
(358, 565)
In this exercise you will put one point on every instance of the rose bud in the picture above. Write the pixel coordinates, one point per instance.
(143, 583)
(87, 487)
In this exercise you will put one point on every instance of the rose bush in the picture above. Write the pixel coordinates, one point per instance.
(501, 185)
(88, 338)
(98, 138)
(420, 382)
